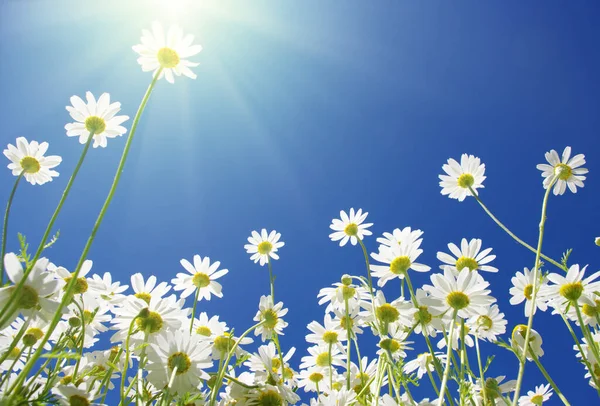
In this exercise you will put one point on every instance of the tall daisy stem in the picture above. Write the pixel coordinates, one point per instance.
(348, 344)
(538, 254)
(194, 309)
(481, 372)
(38, 252)
(583, 357)
(586, 333)
(271, 279)
(5, 225)
(547, 376)
(513, 235)
(88, 244)
(448, 360)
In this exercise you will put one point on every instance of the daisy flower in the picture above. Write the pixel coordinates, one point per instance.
(457, 328)
(423, 363)
(346, 290)
(354, 318)
(342, 397)
(359, 379)
(319, 357)
(396, 344)
(311, 377)
(182, 354)
(37, 295)
(464, 293)
(329, 333)
(590, 310)
(489, 324)
(81, 285)
(427, 315)
(167, 53)
(350, 228)
(109, 291)
(389, 313)
(209, 328)
(28, 158)
(493, 387)
(569, 288)
(568, 170)
(460, 177)
(94, 116)
(267, 363)
(541, 394)
(202, 276)
(399, 259)
(157, 316)
(70, 394)
(523, 290)
(271, 316)
(224, 343)
(535, 341)
(149, 289)
(263, 246)
(468, 256)
(399, 237)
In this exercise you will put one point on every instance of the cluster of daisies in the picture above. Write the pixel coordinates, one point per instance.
(163, 351)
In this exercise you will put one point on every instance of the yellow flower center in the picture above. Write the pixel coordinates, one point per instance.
(201, 280)
(537, 400)
(571, 291)
(29, 298)
(270, 318)
(14, 352)
(32, 335)
(81, 285)
(465, 180)
(351, 229)
(269, 398)
(167, 58)
(485, 322)
(330, 337)
(204, 331)
(144, 296)
(457, 300)
(264, 247)
(389, 344)
(492, 388)
(323, 359)
(528, 291)
(180, 360)
(590, 310)
(77, 400)
(152, 323)
(387, 313)
(563, 171)
(315, 377)
(224, 343)
(400, 265)
(422, 315)
(95, 124)
(30, 164)
(346, 322)
(464, 262)
(348, 292)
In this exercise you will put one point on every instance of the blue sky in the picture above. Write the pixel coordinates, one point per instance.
(301, 109)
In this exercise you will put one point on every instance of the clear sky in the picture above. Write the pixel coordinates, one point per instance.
(304, 108)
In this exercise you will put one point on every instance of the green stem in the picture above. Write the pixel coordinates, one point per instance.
(517, 239)
(547, 376)
(194, 309)
(223, 370)
(126, 363)
(448, 361)
(276, 341)
(348, 343)
(92, 236)
(583, 357)
(538, 253)
(481, 373)
(271, 279)
(586, 333)
(330, 369)
(433, 383)
(463, 352)
(40, 248)
(366, 255)
(5, 225)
